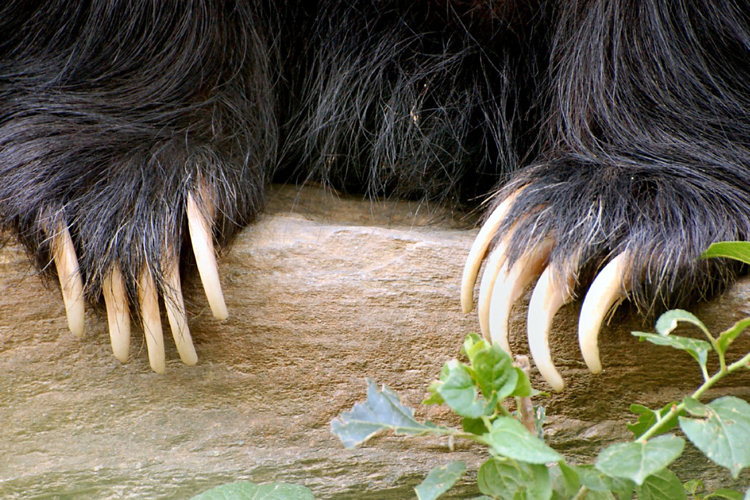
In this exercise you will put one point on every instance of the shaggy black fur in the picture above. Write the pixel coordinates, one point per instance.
(628, 122)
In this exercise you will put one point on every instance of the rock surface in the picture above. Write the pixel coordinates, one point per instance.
(323, 292)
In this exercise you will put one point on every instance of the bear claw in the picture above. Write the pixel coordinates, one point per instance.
(205, 258)
(118, 315)
(502, 285)
(71, 284)
(114, 291)
(610, 286)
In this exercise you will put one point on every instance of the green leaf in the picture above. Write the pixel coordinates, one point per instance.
(512, 480)
(494, 372)
(473, 343)
(598, 482)
(523, 385)
(474, 426)
(509, 438)
(434, 398)
(663, 485)
(440, 480)
(723, 435)
(698, 349)
(381, 411)
(245, 490)
(695, 407)
(648, 417)
(693, 487)
(737, 250)
(460, 393)
(725, 493)
(727, 337)
(638, 460)
(564, 478)
(668, 321)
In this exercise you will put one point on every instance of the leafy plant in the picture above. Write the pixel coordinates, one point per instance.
(521, 466)
(245, 490)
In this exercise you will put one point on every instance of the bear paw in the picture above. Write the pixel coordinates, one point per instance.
(114, 289)
(613, 235)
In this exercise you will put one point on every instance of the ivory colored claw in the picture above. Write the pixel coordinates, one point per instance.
(478, 250)
(609, 286)
(547, 298)
(71, 284)
(118, 316)
(176, 314)
(509, 287)
(149, 301)
(205, 258)
(493, 268)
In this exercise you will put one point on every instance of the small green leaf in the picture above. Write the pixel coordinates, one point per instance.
(638, 460)
(723, 436)
(440, 480)
(473, 343)
(598, 482)
(512, 480)
(648, 417)
(494, 372)
(695, 407)
(727, 337)
(726, 494)
(460, 393)
(668, 321)
(523, 385)
(663, 485)
(693, 487)
(474, 426)
(564, 478)
(698, 349)
(509, 438)
(737, 250)
(245, 490)
(381, 411)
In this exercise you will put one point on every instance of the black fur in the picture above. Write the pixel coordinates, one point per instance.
(627, 122)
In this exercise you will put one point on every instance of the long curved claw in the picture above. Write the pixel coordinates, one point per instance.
(149, 302)
(546, 300)
(509, 287)
(205, 258)
(478, 250)
(609, 286)
(71, 284)
(176, 314)
(118, 315)
(492, 269)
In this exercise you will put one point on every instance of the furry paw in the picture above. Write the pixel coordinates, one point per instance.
(114, 288)
(612, 235)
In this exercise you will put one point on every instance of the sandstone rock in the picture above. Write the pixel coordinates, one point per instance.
(323, 292)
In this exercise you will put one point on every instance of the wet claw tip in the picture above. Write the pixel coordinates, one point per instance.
(609, 286)
(71, 284)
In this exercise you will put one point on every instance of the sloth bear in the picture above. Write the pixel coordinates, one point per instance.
(609, 140)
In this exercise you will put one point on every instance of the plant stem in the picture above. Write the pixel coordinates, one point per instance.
(725, 370)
